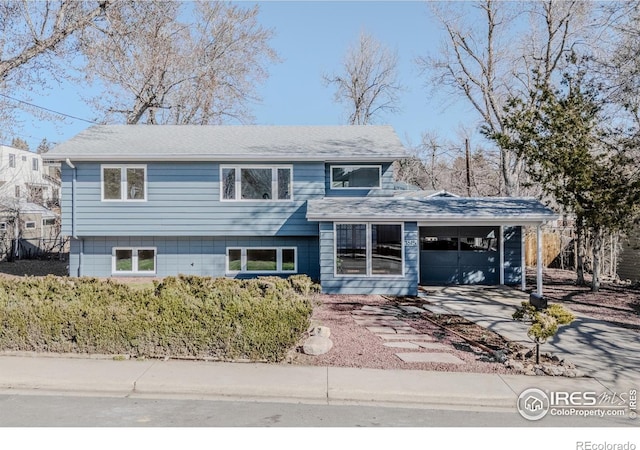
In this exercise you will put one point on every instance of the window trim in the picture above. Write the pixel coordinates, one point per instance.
(30, 222)
(12, 160)
(238, 182)
(357, 166)
(3, 226)
(123, 182)
(134, 262)
(368, 243)
(48, 224)
(35, 165)
(243, 260)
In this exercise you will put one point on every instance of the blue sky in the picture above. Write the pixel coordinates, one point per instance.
(311, 39)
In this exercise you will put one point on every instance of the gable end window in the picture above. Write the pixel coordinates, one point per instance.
(12, 160)
(263, 183)
(356, 177)
(35, 164)
(124, 183)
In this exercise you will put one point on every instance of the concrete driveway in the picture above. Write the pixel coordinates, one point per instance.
(604, 351)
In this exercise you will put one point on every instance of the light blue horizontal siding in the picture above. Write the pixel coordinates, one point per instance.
(512, 255)
(387, 181)
(187, 255)
(184, 199)
(398, 285)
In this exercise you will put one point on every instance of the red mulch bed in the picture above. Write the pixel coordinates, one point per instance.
(615, 302)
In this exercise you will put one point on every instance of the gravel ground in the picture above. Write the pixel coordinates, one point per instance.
(355, 346)
(616, 303)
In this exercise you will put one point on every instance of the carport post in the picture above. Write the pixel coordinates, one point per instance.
(539, 260)
(501, 251)
(523, 261)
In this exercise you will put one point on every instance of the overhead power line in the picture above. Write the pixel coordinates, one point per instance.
(49, 110)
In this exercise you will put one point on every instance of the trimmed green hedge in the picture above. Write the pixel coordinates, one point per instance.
(185, 316)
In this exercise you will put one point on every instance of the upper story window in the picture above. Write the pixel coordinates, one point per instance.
(34, 164)
(256, 183)
(356, 177)
(12, 160)
(124, 183)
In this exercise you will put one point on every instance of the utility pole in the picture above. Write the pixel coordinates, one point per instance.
(468, 162)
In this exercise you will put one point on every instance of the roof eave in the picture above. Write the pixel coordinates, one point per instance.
(437, 220)
(218, 157)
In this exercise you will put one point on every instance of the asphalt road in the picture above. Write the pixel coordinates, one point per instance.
(71, 411)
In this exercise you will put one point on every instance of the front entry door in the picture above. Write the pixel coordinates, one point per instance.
(459, 255)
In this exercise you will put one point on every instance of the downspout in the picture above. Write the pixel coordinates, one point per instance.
(73, 214)
(73, 199)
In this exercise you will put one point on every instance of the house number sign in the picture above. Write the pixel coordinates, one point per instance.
(411, 243)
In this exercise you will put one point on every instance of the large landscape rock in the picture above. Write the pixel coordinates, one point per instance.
(317, 345)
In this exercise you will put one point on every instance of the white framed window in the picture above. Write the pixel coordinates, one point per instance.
(356, 177)
(30, 225)
(35, 165)
(48, 222)
(251, 183)
(124, 183)
(3, 226)
(133, 260)
(24, 158)
(12, 160)
(262, 260)
(368, 249)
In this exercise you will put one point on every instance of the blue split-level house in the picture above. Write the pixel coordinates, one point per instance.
(244, 201)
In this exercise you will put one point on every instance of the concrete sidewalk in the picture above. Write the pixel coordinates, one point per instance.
(602, 350)
(272, 382)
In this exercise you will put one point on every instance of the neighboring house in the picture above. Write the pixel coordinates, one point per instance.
(24, 176)
(27, 229)
(243, 201)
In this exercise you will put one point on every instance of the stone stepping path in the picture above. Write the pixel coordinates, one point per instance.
(386, 323)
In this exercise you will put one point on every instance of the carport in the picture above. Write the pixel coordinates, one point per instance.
(445, 240)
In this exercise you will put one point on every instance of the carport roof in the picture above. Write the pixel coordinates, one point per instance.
(435, 210)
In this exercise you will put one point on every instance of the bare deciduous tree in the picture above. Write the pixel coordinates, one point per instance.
(487, 59)
(368, 85)
(34, 36)
(155, 67)
(617, 67)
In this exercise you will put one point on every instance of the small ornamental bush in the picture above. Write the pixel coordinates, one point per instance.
(544, 322)
(184, 316)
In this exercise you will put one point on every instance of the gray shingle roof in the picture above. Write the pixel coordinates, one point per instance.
(232, 143)
(436, 209)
